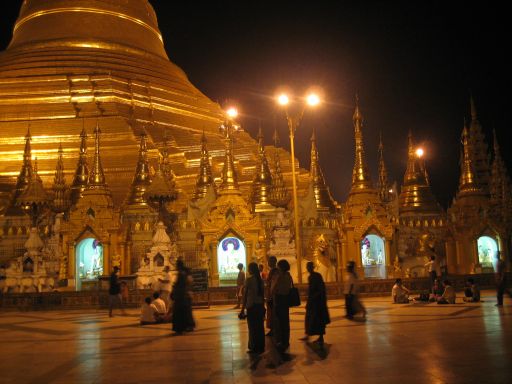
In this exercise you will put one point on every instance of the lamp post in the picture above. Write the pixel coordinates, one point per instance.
(294, 120)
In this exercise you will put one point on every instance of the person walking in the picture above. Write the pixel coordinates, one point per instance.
(280, 306)
(182, 319)
(352, 303)
(501, 279)
(240, 280)
(114, 291)
(273, 273)
(317, 313)
(254, 301)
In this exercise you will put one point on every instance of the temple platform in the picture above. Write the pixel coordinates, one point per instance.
(399, 343)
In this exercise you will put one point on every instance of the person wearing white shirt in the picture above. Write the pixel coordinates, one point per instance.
(448, 294)
(399, 293)
(160, 306)
(148, 312)
(165, 285)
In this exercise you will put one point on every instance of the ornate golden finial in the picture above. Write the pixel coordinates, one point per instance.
(498, 175)
(467, 182)
(141, 179)
(26, 168)
(279, 195)
(34, 198)
(204, 178)
(383, 174)
(60, 201)
(97, 177)
(360, 175)
(323, 197)
(229, 183)
(262, 182)
(478, 150)
(81, 177)
(416, 195)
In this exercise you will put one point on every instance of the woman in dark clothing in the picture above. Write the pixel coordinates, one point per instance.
(182, 319)
(317, 314)
(281, 309)
(253, 300)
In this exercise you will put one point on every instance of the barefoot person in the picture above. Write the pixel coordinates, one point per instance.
(317, 314)
(114, 291)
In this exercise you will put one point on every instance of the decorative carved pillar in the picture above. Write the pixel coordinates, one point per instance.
(106, 258)
(71, 263)
(387, 249)
(214, 265)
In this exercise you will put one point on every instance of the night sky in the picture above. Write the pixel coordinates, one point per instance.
(412, 63)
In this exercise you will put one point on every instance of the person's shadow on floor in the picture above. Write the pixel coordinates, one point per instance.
(320, 350)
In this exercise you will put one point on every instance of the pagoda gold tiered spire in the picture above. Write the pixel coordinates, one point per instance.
(416, 195)
(97, 176)
(229, 182)
(478, 150)
(205, 178)
(141, 179)
(500, 187)
(60, 200)
(34, 197)
(279, 195)
(360, 175)
(383, 184)
(81, 178)
(26, 171)
(323, 197)
(262, 182)
(467, 182)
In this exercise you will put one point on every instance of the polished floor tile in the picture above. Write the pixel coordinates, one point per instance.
(413, 343)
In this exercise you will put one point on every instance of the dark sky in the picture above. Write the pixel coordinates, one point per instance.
(413, 64)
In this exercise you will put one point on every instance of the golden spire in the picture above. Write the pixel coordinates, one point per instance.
(81, 178)
(478, 150)
(97, 177)
(229, 183)
(499, 177)
(34, 197)
(467, 182)
(360, 175)
(262, 182)
(205, 178)
(279, 195)
(60, 201)
(26, 171)
(141, 179)
(322, 195)
(416, 195)
(383, 174)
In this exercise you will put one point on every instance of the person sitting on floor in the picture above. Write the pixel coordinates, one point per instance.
(160, 307)
(448, 296)
(399, 293)
(471, 293)
(436, 291)
(148, 312)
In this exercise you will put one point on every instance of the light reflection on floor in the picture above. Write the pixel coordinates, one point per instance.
(415, 343)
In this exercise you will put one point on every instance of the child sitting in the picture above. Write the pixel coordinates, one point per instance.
(471, 293)
(148, 312)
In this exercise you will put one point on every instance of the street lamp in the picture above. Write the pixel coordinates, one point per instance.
(294, 120)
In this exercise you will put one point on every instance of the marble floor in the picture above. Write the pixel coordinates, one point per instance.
(411, 343)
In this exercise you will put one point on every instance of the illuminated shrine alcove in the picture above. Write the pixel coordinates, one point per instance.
(487, 250)
(373, 257)
(89, 262)
(230, 252)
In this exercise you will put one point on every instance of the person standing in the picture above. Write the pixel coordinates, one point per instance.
(317, 313)
(253, 300)
(273, 273)
(240, 280)
(165, 285)
(280, 306)
(501, 279)
(182, 319)
(114, 291)
(431, 268)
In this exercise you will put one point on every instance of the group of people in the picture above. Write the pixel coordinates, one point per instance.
(267, 301)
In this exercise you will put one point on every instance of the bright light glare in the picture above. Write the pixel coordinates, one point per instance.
(390, 191)
(312, 99)
(232, 112)
(419, 152)
(283, 99)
